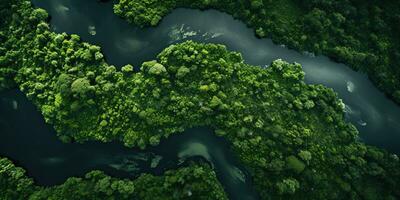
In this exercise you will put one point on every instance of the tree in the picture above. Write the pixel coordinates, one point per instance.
(256, 4)
(305, 155)
(127, 69)
(288, 186)
(63, 84)
(293, 163)
(39, 14)
(182, 71)
(81, 87)
(154, 68)
(215, 101)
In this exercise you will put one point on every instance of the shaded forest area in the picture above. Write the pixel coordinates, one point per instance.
(291, 137)
(362, 34)
(199, 181)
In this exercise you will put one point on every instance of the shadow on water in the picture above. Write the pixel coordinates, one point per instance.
(376, 117)
(33, 145)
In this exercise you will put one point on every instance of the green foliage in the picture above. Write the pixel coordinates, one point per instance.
(288, 186)
(81, 87)
(157, 69)
(192, 181)
(142, 15)
(363, 34)
(13, 183)
(182, 71)
(295, 164)
(305, 155)
(267, 115)
(127, 69)
(63, 84)
(39, 15)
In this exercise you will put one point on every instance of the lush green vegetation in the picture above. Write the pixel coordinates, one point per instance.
(362, 34)
(292, 137)
(6, 73)
(187, 182)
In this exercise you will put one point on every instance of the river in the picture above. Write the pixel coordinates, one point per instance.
(32, 144)
(375, 116)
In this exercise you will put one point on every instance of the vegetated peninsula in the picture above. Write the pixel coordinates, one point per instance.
(291, 137)
(362, 34)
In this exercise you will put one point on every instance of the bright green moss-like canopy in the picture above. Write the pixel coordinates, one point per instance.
(291, 137)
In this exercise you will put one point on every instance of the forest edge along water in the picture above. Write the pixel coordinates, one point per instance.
(122, 43)
(376, 117)
(34, 145)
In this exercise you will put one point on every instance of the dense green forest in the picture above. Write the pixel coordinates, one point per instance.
(290, 136)
(362, 34)
(192, 181)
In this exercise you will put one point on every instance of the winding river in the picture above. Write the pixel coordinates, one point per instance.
(33, 145)
(26, 139)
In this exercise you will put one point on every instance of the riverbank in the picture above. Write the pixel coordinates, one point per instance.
(362, 35)
(287, 133)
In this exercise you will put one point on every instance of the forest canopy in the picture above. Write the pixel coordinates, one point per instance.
(362, 34)
(199, 181)
(292, 137)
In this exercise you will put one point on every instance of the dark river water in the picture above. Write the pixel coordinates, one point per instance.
(26, 139)
(33, 145)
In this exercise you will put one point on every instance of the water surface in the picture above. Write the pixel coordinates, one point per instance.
(26, 139)
(33, 145)
(375, 116)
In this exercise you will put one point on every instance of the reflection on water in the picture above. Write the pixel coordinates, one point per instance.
(33, 145)
(196, 144)
(350, 86)
(194, 149)
(376, 117)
